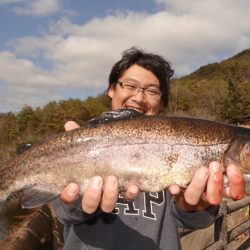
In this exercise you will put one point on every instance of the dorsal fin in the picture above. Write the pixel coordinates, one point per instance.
(114, 115)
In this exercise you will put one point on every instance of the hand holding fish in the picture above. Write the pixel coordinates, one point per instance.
(130, 151)
(100, 193)
(206, 188)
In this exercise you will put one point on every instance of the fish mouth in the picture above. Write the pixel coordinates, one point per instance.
(138, 109)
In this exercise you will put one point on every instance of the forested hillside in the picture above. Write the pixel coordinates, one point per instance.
(31, 125)
(218, 91)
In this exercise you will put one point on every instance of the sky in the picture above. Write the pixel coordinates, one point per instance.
(53, 50)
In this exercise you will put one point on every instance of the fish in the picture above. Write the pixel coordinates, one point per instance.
(151, 152)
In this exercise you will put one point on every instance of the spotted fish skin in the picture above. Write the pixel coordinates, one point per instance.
(151, 152)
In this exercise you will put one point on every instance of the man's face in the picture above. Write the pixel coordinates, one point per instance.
(139, 102)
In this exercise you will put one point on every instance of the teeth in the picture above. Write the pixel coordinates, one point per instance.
(137, 109)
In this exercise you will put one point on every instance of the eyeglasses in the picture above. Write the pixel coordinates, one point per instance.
(132, 88)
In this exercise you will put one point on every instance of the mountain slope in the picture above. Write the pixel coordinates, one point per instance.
(209, 91)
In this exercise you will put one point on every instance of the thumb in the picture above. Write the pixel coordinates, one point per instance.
(71, 125)
(70, 193)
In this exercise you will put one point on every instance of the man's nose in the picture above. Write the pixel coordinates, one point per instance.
(140, 96)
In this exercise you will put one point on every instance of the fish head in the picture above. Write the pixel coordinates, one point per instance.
(238, 153)
(245, 165)
(245, 158)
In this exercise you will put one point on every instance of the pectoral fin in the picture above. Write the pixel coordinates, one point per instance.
(34, 197)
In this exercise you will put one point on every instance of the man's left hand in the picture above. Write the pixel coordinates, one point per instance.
(207, 188)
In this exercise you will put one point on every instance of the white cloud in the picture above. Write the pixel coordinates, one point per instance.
(10, 1)
(39, 7)
(187, 33)
(34, 7)
(185, 39)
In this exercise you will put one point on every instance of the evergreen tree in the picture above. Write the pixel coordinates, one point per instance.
(236, 104)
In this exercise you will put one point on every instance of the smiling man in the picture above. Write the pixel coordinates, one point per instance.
(103, 219)
(129, 93)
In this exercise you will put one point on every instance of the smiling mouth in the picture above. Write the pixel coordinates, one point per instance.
(140, 110)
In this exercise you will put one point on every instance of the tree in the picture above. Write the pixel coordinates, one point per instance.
(236, 104)
(8, 128)
(96, 105)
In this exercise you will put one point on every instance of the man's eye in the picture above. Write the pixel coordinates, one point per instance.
(130, 86)
(153, 91)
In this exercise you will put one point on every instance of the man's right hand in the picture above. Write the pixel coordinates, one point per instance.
(100, 193)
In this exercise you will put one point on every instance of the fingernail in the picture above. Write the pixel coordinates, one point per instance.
(232, 169)
(72, 190)
(202, 173)
(96, 182)
(215, 167)
(70, 125)
(134, 190)
(112, 182)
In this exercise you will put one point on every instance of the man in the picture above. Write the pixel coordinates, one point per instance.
(104, 220)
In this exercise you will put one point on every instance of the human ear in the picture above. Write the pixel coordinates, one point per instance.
(111, 91)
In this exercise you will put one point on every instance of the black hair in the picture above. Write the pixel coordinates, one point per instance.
(152, 62)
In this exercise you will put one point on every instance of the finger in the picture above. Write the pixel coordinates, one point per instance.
(236, 182)
(197, 186)
(131, 193)
(92, 196)
(215, 184)
(110, 194)
(174, 189)
(70, 193)
(71, 125)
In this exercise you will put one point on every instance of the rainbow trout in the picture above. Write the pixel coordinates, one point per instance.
(151, 152)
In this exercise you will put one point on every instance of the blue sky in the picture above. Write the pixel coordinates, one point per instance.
(60, 49)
